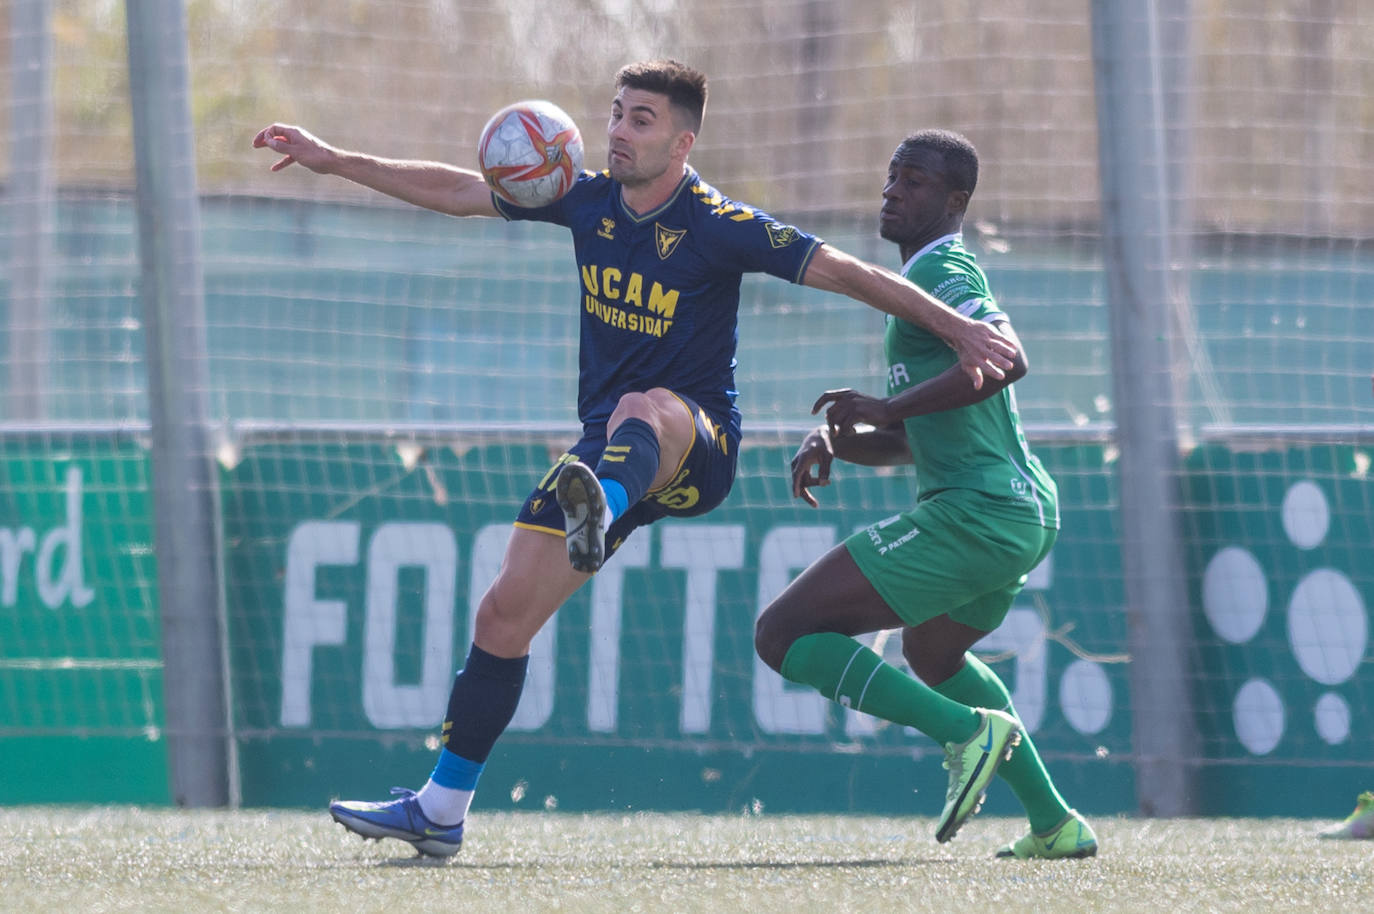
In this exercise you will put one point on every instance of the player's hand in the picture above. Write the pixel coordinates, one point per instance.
(296, 146)
(815, 454)
(849, 407)
(983, 350)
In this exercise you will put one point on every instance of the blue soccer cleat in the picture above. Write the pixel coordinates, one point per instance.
(401, 819)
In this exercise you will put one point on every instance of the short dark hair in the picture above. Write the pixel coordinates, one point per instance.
(684, 86)
(958, 157)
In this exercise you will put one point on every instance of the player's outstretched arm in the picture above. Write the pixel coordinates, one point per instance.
(433, 185)
(982, 350)
(850, 410)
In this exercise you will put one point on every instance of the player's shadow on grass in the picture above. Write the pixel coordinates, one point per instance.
(836, 863)
(419, 860)
(828, 863)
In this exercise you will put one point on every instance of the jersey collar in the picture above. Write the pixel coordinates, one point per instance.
(952, 236)
(688, 177)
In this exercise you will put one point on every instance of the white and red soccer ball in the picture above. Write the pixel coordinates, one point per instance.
(530, 153)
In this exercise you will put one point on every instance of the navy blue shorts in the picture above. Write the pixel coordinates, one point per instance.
(701, 482)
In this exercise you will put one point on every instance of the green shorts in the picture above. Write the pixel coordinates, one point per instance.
(948, 557)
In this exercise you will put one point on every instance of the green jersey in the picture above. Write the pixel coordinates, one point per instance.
(982, 446)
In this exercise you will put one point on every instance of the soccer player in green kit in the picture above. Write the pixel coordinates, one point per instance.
(946, 571)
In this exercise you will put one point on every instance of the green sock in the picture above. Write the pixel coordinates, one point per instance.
(845, 671)
(1024, 772)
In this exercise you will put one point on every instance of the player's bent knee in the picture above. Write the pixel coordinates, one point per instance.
(502, 629)
(931, 663)
(771, 639)
(634, 405)
(633, 401)
(657, 406)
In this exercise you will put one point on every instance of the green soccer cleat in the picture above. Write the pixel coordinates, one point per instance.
(972, 766)
(1071, 839)
(1359, 825)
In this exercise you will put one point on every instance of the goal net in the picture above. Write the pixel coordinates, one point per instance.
(387, 384)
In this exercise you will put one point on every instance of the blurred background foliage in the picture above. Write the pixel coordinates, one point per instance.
(807, 98)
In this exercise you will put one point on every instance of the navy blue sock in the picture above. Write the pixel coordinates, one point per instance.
(485, 694)
(630, 459)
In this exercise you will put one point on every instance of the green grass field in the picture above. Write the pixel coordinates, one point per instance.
(60, 859)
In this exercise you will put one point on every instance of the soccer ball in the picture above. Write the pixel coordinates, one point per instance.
(530, 153)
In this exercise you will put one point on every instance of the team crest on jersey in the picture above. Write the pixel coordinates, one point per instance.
(667, 240)
(607, 229)
(780, 236)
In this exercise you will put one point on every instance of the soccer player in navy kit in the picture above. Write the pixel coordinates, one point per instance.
(660, 255)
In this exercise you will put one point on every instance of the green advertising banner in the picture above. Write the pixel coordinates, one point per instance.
(80, 660)
(353, 567)
(1279, 537)
(354, 570)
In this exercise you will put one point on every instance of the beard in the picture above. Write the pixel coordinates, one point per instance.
(623, 171)
(644, 167)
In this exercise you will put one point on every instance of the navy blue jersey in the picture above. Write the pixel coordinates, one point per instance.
(660, 290)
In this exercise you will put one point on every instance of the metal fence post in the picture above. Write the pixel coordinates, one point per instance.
(183, 478)
(1137, 229)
